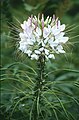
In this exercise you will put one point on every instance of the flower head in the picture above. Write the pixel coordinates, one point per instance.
(41, 36)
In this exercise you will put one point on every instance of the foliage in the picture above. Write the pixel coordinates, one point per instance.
(60, 97)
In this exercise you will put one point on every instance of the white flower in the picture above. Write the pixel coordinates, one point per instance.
(34, 56)
(42, 37)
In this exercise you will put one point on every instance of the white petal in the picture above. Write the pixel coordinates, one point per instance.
(51, 56)
(51, 40)
(41, 49)
(45, 32)
(29, 41)
(29, 52)
(55, 30)
(62, 27)
(38, 31)
(60, 49)
(46, 51)
(61, 39)
(64, 39)
(43, 44)
(37, 51)
(23, 47)
(53, 44)
(46, 40)
(24, 25)
(36, 34)
(34, 56)
(23, 36)
(59, 36)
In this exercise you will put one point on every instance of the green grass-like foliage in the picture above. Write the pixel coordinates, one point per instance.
(59, 98)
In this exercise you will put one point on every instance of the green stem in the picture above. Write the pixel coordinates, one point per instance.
(39, 86)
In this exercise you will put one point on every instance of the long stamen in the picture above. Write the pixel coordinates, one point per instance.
(42, 21)
(53, 17)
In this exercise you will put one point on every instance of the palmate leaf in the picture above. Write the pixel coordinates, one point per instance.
(15, 100)
(21, 99)
(15, 86)
(63, 93)
(54, 110)
(25, 83)
(18, 63)
(58, 70)
(63, 99)
(58, 96)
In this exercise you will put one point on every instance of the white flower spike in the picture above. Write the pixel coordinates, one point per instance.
(42, 37)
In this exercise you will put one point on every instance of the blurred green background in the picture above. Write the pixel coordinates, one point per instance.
(65, 67)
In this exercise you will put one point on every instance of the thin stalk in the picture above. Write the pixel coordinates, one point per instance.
(40, 80)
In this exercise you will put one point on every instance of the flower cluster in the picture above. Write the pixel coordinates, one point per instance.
(41, 36)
